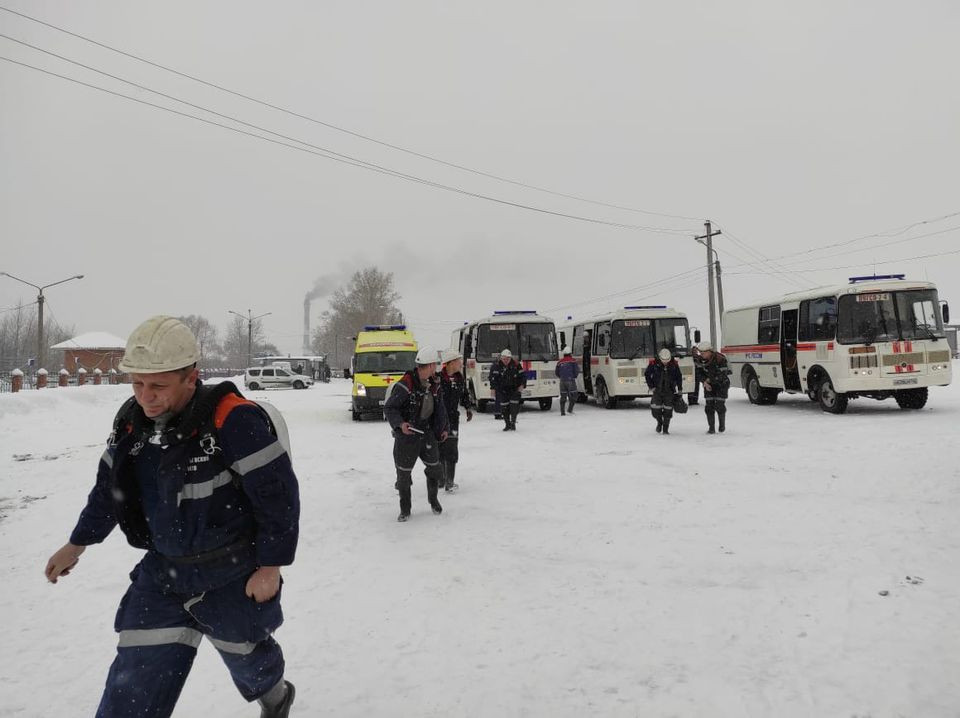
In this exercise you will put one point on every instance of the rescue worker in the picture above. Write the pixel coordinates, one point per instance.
(196, 476)
(507, 381)
(665, 381)
(455, 394)
(567, 371)
(419, 422)
(713, 372)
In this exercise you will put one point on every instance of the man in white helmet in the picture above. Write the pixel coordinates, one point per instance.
(454, 391)
(567, 371)
(714, 374)
(665, 382)
(507, 382)
(197, 477)
(418, 419)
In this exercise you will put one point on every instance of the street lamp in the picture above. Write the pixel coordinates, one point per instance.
(250, 320)
(41, 350)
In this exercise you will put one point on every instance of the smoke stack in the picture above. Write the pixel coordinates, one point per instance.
(306, 325)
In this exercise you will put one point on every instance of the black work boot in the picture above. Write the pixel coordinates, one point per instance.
(282, 708)
(449, 471)
(710, 422)
(514, 413)
(722, 416)
(666, 423)
(405, 503)
(658, 415)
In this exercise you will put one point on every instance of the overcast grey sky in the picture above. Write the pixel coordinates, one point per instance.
(790, 125)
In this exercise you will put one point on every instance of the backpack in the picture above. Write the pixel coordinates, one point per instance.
(201, 419)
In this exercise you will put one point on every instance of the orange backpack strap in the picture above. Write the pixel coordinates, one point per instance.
(227, 404)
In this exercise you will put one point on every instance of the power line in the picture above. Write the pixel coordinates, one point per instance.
(345, 130)
(878, 246)
(868, 263)
(335, 156)
(595, 300)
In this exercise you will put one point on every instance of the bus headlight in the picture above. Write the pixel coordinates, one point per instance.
(361, 390)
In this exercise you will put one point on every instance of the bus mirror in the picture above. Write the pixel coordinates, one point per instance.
(946, 313)
(696, 336)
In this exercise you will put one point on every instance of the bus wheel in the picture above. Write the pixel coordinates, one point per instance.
(545, 404)
(603, 396)
(911, 398)
(752, 384)
(830, 400)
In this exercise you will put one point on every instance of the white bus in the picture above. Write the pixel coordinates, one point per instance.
(615, 349)
(530, 337)
(877, 337)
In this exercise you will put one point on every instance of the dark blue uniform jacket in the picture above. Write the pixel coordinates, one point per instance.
(210, 501)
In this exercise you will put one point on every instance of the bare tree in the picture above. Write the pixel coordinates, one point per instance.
(206, 335)
(235, 341)
(18, 336)
(369, 298)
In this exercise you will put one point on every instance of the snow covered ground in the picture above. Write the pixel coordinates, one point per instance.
(587, 567)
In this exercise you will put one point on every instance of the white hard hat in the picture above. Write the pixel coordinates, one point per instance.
(160, 344)
(567, 350)
(506, 353)
(427, 356)
(665, 355)
(449, 355)
(705, 346)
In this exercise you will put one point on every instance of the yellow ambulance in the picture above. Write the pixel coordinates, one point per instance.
(382, 354)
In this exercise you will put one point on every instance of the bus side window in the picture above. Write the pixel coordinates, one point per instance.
(818, 319)
(577, 345)
(768, 328)
(465, 340)
(563, 339)
(603, 339)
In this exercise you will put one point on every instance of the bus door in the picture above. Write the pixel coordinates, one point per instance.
(788, 350)
(587, 344)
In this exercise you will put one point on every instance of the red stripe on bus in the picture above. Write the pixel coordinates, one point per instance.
(751, 348)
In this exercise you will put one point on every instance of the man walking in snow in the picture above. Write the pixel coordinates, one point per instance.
(507, 382)
(665, 381)
(453, 388)
(197, 477)
(567, 371)
(418, 419)
(713, 372)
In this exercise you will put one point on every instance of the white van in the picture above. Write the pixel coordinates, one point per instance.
(274, 377)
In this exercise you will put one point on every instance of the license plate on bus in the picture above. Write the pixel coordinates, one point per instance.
(903, 382)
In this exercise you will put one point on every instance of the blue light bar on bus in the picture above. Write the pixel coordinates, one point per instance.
(648, 306)
(385, 327)
(854, 280)
(515, 311)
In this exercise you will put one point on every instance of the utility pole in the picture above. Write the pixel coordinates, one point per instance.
(707, 240)
(719, 285)
(250, 320)
(41, 349)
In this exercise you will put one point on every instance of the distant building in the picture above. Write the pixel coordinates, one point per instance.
(94, 350)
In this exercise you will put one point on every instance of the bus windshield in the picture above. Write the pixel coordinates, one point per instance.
(632, 338)
(673, 334)
(919, 315)
(889, 316)
(531, 341)
(395, 362)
